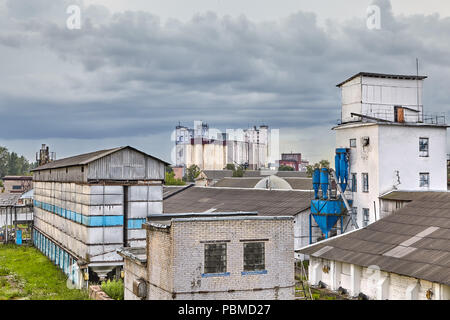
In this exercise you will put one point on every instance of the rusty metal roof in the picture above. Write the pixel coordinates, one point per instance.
(414, 241)
(86, 158)
(265, 202)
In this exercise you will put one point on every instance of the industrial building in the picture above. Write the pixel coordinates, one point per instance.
(210, 149)
(293, 160)
(87, 206)
(404, 255)
(16, 184)
(293, 203)
(223, 255)
(392, 143)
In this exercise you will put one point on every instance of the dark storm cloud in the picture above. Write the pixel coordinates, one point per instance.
(130, 74)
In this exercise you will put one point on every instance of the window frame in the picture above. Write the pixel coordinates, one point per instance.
(207, 269)
(350, 142)
(354, 181)
(365, 214)
(247, 267)
(427, 174)
(365, 182)
(424, 153)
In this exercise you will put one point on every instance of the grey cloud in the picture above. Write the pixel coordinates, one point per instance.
(131, 74)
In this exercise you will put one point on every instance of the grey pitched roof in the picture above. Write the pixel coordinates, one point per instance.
(218, 174)
(414, 241)
(295, 183)
(86, 158)
(9, 199)
(265, 202)
(403, 195)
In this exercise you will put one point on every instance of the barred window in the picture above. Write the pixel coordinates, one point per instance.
(365, 217)
(365, 182)
(423, 147)
(254, 256)
(424, 179)
(215, 257)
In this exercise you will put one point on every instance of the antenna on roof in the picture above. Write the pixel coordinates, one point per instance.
(417, 89)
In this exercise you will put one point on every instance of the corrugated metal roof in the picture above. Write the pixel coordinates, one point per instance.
(414, 241)
(383, 75)
(295, 183)
(217, 174)
(86, 158)
(265, 202)
(407, 195)
(9, 199)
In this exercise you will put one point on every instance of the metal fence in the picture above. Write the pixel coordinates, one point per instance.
(16, 223)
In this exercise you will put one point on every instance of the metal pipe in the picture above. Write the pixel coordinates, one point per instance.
(349, 209)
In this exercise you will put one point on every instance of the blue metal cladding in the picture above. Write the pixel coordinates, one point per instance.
(56, 254)
(135, 223)
(90, 221)
(316, 182)
(324, 182)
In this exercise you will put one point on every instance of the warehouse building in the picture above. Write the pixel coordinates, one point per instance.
(87, 206)
(226, 256)
(405, 255)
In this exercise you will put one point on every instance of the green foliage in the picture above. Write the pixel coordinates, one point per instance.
(25, 273)
(192, 172)
(239, 172)
(230, 166)
(320, 164)
(172, 181)
(285, 168)
(13, 164)
(114, 289)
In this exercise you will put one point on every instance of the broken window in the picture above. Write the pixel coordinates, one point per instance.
(365, 182)
(215, 257)
(424, 179)
(423, 147)
(254, 256)
(365, 217)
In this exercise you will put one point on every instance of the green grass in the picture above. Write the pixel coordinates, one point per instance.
(114, 289)
(25, 273)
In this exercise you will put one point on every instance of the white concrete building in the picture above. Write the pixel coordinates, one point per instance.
(393, 144)
(403, 256)
(211, 149)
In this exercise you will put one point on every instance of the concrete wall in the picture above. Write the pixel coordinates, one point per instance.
(374, 283)
(392, 161)
(133, 271)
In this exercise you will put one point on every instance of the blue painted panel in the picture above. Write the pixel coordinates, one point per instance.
(223, 274)
(135, 223)
(245, 273)
(19, 237)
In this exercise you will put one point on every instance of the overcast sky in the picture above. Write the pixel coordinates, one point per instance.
(136, 68)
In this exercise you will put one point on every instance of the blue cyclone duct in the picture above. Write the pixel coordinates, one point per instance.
(316, 182)
(337, 161)
(324, 182)
(342, 165)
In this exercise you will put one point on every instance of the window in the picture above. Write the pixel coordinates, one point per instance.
(354, 182)
(254, 256)
(423, 147)
(365, 217)
(17, 187)
(424, 179)
(365, 182)
(215, 257)
(352, 143)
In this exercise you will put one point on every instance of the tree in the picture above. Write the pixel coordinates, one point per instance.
(172, 181)
(192, 172)
(285, 168)
(239, 172)
(13, 164)
(230, 166)
(319, 165)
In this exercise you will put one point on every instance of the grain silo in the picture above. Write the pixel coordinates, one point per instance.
(87, 206)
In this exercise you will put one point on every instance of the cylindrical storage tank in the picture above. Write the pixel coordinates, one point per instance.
(324, 182)
(337, 163)
(316, 182)
(343, 171)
